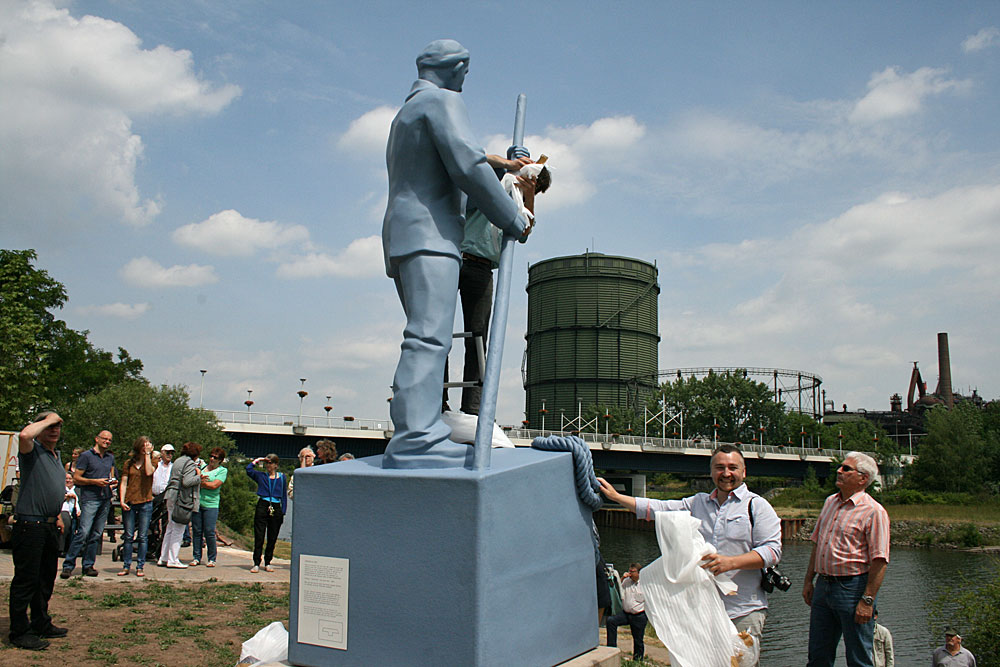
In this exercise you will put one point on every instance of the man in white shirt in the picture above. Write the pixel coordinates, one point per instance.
(633, 613)
(161, 476)
(742, 526)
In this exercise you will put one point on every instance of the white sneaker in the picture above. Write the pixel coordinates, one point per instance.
(177, 566)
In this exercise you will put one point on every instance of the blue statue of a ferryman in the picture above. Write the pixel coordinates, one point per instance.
(432, 158)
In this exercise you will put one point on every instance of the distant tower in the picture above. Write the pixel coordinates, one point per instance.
(896, 402)
(592, 334)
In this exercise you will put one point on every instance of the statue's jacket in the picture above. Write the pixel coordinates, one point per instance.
(433, 159)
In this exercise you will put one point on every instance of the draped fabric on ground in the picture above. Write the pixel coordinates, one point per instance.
(682, 599)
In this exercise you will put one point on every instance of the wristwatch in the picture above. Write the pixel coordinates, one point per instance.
(868, 600)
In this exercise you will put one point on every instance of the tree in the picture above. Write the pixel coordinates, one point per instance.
(26, 296)
(740, 407)
(976, 611)
(953, 454)
(133, 408)
(43, 362)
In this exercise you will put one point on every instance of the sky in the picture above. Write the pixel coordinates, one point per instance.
(817, 183)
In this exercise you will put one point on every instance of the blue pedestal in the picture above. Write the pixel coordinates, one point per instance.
(451, 567)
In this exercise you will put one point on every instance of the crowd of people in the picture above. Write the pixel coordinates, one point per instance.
(62, 510)
(846, 568)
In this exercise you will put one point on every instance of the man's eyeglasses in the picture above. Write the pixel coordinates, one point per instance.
(213, 456)
(846, 468)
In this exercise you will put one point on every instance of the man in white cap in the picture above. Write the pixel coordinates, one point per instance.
(161, 476)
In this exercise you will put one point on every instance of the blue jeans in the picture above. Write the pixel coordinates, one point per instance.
(93, 517)
(203, 525)
(136, 528)
(832, 615)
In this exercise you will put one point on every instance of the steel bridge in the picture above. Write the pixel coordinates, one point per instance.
(260, 433)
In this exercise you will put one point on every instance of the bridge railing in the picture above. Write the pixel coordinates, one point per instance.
(651, 444)
(279, 419)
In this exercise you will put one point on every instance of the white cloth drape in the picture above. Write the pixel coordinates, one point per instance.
(682, 599)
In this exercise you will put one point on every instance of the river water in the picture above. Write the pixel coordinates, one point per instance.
(913, 579)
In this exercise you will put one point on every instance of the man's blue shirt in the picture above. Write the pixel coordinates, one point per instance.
(94, 466)
(727, 528)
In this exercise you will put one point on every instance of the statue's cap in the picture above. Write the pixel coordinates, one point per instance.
(442, 53)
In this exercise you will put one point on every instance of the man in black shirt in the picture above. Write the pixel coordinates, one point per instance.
(35, 537)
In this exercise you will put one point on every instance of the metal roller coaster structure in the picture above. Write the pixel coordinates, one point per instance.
(798, 390)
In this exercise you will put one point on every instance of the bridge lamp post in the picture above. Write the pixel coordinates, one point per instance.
(249, 404)
(201, 401)
(328, 407)
(909, 431)
(302, 393)
(543, 412)
(388, 406)
(607, 419)
(840, 440)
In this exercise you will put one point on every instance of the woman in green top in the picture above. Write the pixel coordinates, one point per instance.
(203, 521)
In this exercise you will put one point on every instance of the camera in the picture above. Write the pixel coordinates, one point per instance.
(771, 578)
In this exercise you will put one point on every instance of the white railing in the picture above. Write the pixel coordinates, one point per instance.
(279, 419)
(650, 444)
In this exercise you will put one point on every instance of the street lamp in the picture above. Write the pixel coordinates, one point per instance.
(302, 395)
(328, 407)
(201, 401)
(249, 403)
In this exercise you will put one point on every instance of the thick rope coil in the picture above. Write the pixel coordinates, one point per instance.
(583, 466)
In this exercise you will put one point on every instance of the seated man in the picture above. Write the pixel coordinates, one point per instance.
(633, 613)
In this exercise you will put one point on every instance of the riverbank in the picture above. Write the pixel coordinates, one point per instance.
(929, 533)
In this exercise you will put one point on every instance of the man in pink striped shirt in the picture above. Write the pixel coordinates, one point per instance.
(850, 555)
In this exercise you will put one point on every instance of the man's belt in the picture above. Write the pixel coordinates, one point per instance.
(32, 518)
(832, 577)
(466, 257)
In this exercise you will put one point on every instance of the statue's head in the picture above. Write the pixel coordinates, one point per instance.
(444, 62)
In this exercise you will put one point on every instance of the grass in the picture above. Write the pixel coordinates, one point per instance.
(212, 618)
(980, 514)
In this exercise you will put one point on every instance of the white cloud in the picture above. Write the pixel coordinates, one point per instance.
(891, 94)
(985, 38)
(361, 259)
(71, 88)
(229, 233)
(124, 311)
(367, 135)
(145, 272)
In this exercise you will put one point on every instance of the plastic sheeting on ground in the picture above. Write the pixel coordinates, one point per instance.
(269, 645)
(682, 599)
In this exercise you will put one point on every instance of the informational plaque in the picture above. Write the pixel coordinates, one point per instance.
(323, 584)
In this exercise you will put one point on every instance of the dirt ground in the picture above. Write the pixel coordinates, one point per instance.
(152, 623)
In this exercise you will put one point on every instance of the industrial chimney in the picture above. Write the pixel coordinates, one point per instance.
(944, 371)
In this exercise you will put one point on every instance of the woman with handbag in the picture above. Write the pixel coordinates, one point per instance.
(272, 498)
(181, 500)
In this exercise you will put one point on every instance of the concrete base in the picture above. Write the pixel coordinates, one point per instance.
(451, 566)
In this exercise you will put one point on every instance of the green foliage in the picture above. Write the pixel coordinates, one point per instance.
(619, 422)
(860, 436)
(740, 407)
(966, 535)
(809, 482)
(974, 608)
(953, 455)
(134, 408)
(44, 363)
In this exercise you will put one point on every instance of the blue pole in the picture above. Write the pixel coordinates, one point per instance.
(498, 330)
